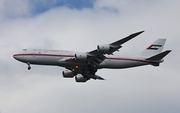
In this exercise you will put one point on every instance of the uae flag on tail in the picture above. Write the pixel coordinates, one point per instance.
(154, 47)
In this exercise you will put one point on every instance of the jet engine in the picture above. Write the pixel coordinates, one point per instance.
(80, 56)
(80, 78)
(103, 48)
(68, 74)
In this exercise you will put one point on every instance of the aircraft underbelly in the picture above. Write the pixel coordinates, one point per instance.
(118, 64)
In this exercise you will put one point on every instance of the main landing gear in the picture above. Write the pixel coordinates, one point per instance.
(29, 67)
(92, 69)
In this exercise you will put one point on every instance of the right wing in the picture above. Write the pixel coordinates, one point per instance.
(115, 45)
(97, 56)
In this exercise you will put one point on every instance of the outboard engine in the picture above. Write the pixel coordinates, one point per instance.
(103, 48)
(80, 78)
(68, 74)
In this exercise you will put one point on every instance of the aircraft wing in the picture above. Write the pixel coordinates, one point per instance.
(124, 40)
(115, 45)
(97, 56)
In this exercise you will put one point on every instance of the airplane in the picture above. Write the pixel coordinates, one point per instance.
(83, 66)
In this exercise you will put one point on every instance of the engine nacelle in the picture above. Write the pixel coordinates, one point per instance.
(103, 48)
(68, 74)
(80, 78)
(80, 56)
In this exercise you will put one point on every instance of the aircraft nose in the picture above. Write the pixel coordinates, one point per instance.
(19, 57)
(15, 56)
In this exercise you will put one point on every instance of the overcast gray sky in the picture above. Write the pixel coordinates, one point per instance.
(81, 26)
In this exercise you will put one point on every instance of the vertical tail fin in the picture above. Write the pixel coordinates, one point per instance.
(154, 48)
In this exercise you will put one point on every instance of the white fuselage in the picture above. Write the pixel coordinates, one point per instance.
(83, 66)
(58, 58)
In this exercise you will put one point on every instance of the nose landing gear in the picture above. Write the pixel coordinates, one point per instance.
(29, 67)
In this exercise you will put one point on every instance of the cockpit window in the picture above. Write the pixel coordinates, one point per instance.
(24, 49)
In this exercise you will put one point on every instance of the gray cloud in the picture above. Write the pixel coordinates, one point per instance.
(43, 89)
(13, 9)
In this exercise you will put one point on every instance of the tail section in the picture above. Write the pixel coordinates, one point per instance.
(157, 59)
(154, 48)
(154, 52)
(159, 56)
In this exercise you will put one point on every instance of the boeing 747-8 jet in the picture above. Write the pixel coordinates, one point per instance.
(83, 66)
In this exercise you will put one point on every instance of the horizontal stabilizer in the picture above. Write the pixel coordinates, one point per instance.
(159, 56)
